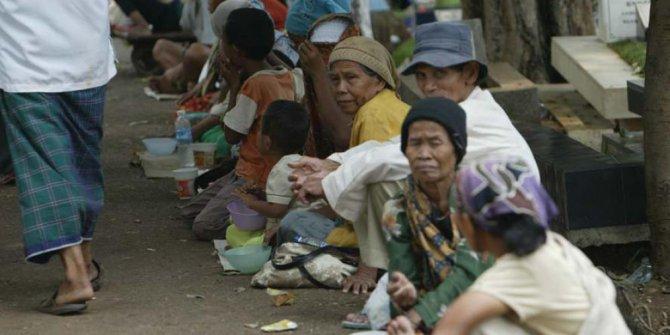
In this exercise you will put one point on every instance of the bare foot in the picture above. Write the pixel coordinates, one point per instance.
(74, 292)
(356, 318)
(364, 280)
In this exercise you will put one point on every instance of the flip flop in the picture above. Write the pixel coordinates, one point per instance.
(357, 325)
(96, 282)
(49, 306)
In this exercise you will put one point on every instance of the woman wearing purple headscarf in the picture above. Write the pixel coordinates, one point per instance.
(540, 282)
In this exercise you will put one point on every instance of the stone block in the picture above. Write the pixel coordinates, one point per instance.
(596, 71)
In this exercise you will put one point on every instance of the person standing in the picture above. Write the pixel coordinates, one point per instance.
(55, 61)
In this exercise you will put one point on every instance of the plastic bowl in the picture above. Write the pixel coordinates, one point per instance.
(161, 146)
(249, 259)
(244, 217)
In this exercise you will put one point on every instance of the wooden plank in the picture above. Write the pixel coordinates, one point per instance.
(504, 75)
(577, 118)
(597, 72)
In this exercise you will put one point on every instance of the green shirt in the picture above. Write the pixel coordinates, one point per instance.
(467, 266)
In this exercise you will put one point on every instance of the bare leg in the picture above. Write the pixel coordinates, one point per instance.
(167, 53)
(88, 259)
(194, 59)
(76, 287)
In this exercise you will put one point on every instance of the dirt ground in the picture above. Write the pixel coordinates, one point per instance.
(151, 260)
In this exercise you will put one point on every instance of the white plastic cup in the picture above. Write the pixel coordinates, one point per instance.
(185, 179)
(203, 155)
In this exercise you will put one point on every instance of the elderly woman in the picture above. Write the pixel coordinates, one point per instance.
(539, 282)
(429, 263)
(363, 75)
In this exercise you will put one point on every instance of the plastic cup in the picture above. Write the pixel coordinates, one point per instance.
(203, 154)
(185, 179)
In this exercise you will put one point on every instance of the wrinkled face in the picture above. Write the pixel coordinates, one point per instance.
(353, 86)
(445, 82)
(431, 155)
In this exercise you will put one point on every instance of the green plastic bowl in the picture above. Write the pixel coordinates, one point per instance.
(248, 259)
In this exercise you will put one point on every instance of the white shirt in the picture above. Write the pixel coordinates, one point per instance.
(490, 134)
(54, 46)
(195, 17)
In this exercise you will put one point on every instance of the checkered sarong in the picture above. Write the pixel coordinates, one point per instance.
(54, 140)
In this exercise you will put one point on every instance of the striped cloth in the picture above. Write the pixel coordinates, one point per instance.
(54, 140)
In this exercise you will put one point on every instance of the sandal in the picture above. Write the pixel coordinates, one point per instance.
(358, 324)
(49, 306)
(96, 282)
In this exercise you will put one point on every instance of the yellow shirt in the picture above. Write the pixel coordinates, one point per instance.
(379, 119)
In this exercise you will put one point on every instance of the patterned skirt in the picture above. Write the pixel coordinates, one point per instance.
(54, 141)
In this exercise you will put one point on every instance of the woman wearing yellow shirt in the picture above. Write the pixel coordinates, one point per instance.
(364, 81)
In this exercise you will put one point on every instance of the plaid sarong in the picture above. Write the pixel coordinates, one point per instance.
(54, 140)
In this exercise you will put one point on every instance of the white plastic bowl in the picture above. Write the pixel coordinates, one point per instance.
(161, 146)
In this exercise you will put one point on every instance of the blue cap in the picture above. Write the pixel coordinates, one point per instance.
(443, 44)
(302, 13)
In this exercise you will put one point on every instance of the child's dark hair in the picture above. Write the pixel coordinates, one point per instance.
(287, 124)
(521, 234)
(251, 30)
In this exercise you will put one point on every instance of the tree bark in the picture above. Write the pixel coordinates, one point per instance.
(519, 31)
(656, 130)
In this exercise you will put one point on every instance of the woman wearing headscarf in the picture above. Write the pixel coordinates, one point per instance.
(540, 282)
(364, 78)
(331, 129)
(425, 248)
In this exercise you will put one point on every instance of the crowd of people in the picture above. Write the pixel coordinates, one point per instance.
(440, 201)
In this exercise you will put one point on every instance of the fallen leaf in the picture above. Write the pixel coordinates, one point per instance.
(251, 325)
(281, 298)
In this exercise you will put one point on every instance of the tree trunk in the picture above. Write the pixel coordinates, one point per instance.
(519, 31)
(656, 130)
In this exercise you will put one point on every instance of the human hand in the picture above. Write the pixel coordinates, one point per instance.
(307, 175)
(229, 71)
(402, 292)
(244, 195)
(311, 59)
(139, 31)
(401, 325)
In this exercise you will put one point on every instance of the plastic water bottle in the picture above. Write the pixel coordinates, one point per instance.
(184, 139)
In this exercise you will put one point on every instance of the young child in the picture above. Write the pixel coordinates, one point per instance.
(283, 133)
(247, 40)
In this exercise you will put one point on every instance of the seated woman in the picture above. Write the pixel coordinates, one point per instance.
(540, 283)
(331, 129)
(363, 77)
(430, 264)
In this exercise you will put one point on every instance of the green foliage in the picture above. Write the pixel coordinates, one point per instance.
(448, 3)
(403, 51)
(633, 52)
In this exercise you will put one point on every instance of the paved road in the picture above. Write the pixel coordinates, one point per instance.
(146, 290)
